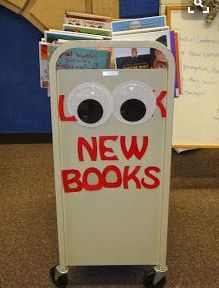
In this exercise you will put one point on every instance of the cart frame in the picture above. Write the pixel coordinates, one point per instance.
(62, 268)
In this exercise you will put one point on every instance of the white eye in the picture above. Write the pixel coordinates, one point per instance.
(134, 102)
(91, 103)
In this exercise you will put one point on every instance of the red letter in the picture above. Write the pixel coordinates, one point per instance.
(62, 115)
(74, 178)
(91, 149)
(118, 181)
(104, 149)
(133, 149)
(92, 187)
(156, 181)
(132, 176)
(160, 104)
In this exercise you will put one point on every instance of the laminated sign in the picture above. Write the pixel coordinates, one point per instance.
(112, 143)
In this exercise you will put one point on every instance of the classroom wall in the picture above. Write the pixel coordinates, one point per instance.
(24, 106)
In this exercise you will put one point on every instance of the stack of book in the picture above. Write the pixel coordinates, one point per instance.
(78, 26)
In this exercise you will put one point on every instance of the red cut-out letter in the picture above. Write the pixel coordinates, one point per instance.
(160, 98)
(92, 187)
(91, 149)
(104, 149)
(62, 115)
(133, 149)
(70, 177)
(131, 176)
(156, 181)
(118, 181)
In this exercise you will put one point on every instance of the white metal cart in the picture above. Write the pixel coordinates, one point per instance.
(112, 154)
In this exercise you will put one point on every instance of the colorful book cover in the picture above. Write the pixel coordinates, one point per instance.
(44, 67)
(140, 8)
(79, 58)
(145, 58)
(87, 30)
(87, 20)
(82, 58)
(132, 58)
(55, 35)
(138, 23)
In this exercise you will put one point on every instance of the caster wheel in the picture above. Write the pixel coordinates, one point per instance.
(149, 279)
(58, 279)
(161, 283)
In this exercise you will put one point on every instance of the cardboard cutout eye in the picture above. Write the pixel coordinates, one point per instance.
(91, 103)
(134, 102)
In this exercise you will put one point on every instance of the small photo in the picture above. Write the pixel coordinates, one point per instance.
(132, 58)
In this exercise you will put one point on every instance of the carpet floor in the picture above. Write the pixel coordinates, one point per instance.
(28, 233)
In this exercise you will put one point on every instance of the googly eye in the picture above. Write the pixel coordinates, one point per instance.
(134, 102)
(91, 103)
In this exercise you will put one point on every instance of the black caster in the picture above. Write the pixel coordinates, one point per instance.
(149, 281)
(60, 280)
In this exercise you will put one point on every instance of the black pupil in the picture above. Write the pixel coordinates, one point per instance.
(90, 111)
(133, 110)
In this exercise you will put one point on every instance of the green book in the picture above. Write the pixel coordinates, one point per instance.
(87, 30)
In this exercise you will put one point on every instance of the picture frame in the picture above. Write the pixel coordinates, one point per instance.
(170, 9)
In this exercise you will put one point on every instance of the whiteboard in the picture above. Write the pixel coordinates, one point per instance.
(196, 112)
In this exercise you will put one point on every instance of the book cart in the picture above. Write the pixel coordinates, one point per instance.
(112, 134)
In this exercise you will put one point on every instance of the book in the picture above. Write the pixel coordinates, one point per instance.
(87, 20)
(75, 58)
(44, 66)
(177, 59)
(173, 50)
(87, 30)
(137, 31)
(142, 8)
(145, 58)
(44, 61)
(82, 58)
(138, 23)
(54, 35)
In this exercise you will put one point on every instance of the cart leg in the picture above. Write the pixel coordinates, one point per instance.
(160, 274)
(59, 276)
(156, 278)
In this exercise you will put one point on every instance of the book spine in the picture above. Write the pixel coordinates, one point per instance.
(173, 50)
(87, 30)
(176, 38)
(44, 68)
(77, 36)
(87, 16)
(87, 23)
(133, 24)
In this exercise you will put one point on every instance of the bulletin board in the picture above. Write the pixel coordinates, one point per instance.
(196, 112)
